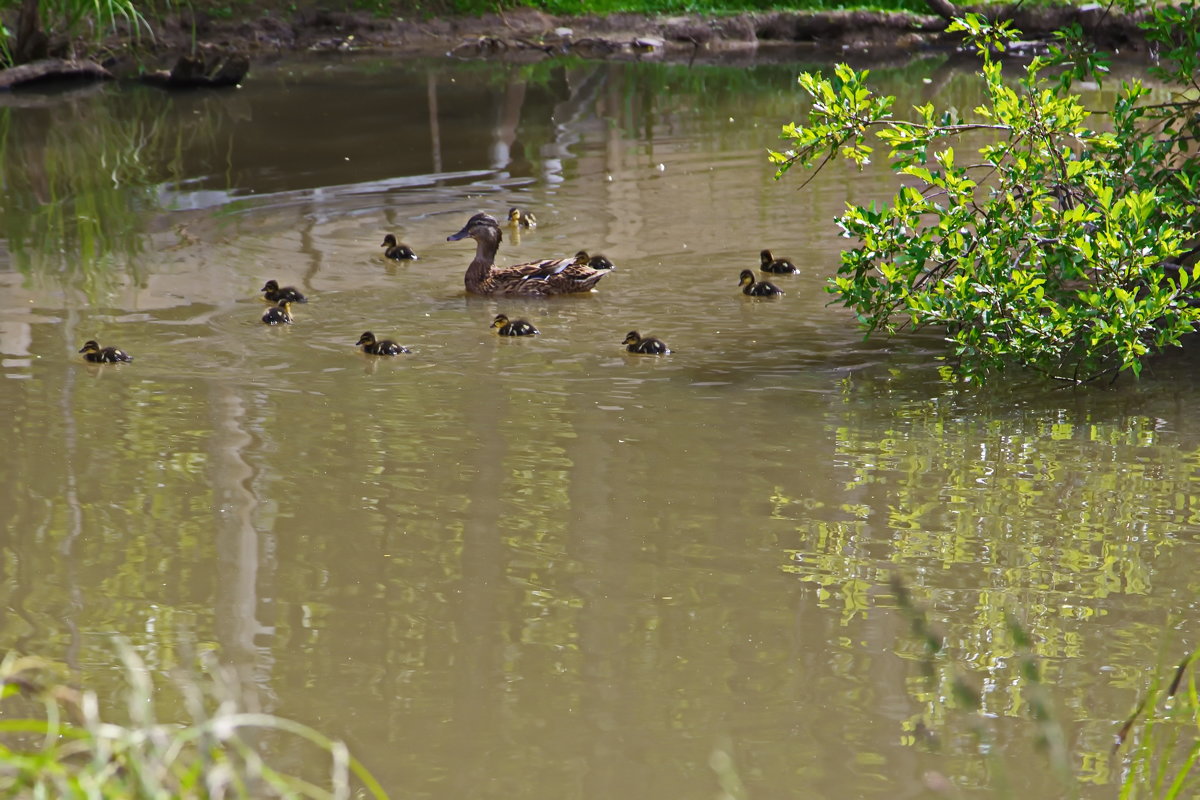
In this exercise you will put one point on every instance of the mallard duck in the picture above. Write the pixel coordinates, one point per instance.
(516, 327)
(534, 279)
(396, 250)
(521, 219)
(103, 355)
(634, 343)
(757, 288)
(595, 262)
(273, 293)
(280, 314)
(780, 266)
(379, 347)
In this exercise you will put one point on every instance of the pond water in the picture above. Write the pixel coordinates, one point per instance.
(541, 567)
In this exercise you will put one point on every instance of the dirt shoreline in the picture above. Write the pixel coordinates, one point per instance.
(528, 34)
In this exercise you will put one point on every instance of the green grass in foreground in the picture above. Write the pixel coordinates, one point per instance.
(57, 745)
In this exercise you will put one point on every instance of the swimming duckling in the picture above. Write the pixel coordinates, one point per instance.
(96, 354)
(595, 262)
(517, 327)
(280, 314)
(380, 347)
(521, 219)
(780, 266)
(396, 250)
(757, 288)
(634, 343)
(272, 292)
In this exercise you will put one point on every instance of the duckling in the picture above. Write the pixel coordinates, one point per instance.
(780, 266)
(757, 288)
(634, 343)
(280, 314)
(517, 327)
(380, 347)
(551, 276)
(521, 219)
(96, 354)
(396, 250)
(595, 262)
(273, 293)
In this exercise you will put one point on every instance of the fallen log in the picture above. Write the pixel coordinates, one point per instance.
(51, 69)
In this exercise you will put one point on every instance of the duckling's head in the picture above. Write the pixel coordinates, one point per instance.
(633, 337)
(500, 321)
(366, 338)
(389, 240)
(582, 257)
(90, 346)
(514, 215)
(528, 220)
(481, 227)
(766, 257)
(286, 305)
(746, 278)
(270, 286)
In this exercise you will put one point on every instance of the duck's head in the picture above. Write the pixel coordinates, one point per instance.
(270, 286)
(582, 257)
(481, 227)
(514, 216)
(389, 240)
(90, 346)
(766, 257)
(500, 321)
(746, 278)
(633, 337)
(366, 338)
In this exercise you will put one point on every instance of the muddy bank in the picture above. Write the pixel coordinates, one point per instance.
(526, 34)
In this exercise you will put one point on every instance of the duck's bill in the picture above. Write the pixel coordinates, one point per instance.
(460, 235)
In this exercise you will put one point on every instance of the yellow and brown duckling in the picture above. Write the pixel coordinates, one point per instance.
(379, 347)
(273, 293)
(595, 262)
(780, 266)
(551, 276)
(96, 354)
(397, 250)
(279, 314)
(516, 327)
(650, 346)
(757, 288)
(521, 219)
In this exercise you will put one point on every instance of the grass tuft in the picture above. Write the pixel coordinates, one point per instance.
(69, 751)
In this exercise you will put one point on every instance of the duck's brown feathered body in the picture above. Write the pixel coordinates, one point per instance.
(551, 276)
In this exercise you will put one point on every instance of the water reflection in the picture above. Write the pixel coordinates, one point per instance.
(541, 567)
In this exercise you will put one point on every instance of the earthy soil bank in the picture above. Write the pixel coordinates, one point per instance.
(530, 34)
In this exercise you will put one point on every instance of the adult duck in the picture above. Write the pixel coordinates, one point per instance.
(96, 354)
(397, 250)
(552, 276)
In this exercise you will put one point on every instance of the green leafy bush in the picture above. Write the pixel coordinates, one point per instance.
(1057, 246)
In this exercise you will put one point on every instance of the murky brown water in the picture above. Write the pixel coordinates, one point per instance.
(541, 568)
